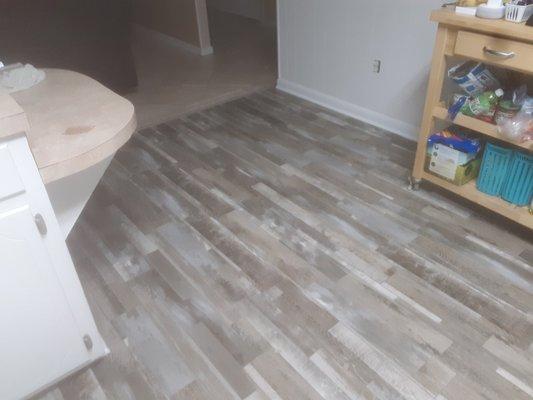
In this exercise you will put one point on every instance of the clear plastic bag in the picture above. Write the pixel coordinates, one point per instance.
(520, 128)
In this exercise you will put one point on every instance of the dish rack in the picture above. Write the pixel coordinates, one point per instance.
(515, 13)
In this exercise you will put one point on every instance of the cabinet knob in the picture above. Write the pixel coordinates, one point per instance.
(41, 224)
(88, 342)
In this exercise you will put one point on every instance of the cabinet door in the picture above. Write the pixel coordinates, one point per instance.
(39, 337)
(46, 328)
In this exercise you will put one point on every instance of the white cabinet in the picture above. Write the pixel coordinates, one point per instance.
(47, 330)
(39, 338)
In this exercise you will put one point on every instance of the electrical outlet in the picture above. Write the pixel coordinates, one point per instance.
(376, 66)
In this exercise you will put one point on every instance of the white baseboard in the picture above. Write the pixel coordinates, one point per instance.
(205, 51)
(142, 32)
(393, 125)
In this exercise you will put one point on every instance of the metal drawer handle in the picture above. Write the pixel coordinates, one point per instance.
(499, 54)
(41, 224)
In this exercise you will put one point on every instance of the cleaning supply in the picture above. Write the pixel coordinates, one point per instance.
(483, 106)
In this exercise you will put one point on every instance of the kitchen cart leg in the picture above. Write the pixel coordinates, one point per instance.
(436, 79)
(414, 183)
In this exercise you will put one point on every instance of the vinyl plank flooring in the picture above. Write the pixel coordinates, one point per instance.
(267, 248)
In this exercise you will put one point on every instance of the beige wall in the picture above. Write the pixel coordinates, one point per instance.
(262, 10)
(182, 19)
(270, 11)
(327, 49)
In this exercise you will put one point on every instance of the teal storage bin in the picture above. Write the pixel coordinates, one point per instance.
(518, 188)
(494, 169)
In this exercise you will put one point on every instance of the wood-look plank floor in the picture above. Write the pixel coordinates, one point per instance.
(269, 249)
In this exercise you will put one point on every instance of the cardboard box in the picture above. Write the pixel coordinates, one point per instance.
(450, 164)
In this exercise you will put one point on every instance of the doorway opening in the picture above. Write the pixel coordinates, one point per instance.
(235, 54)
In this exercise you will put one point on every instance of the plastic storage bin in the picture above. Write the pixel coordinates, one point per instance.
(494, 169)
(518, 14)
(518, 188)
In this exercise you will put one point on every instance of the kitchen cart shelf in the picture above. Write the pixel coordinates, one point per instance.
(485, 128)
(470, 192)
(490, 42)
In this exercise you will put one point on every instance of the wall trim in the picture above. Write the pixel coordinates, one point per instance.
(141, 31)
(383, 121)
(202, 21)
(278, 37)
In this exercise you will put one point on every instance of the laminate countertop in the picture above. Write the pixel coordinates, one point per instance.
(72, 122)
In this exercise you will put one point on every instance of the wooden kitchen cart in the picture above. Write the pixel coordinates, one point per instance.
(500, 43)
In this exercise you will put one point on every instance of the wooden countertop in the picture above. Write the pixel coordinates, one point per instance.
(498, 27)
(74, 122)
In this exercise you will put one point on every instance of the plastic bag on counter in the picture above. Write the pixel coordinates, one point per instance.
(17, 77)
(520, 128)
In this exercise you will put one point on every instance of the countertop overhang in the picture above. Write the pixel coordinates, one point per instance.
(72, 122)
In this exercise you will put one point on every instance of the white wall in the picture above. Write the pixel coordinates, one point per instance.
(327, 48)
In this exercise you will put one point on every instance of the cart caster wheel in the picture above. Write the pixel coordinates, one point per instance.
(414, 184)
